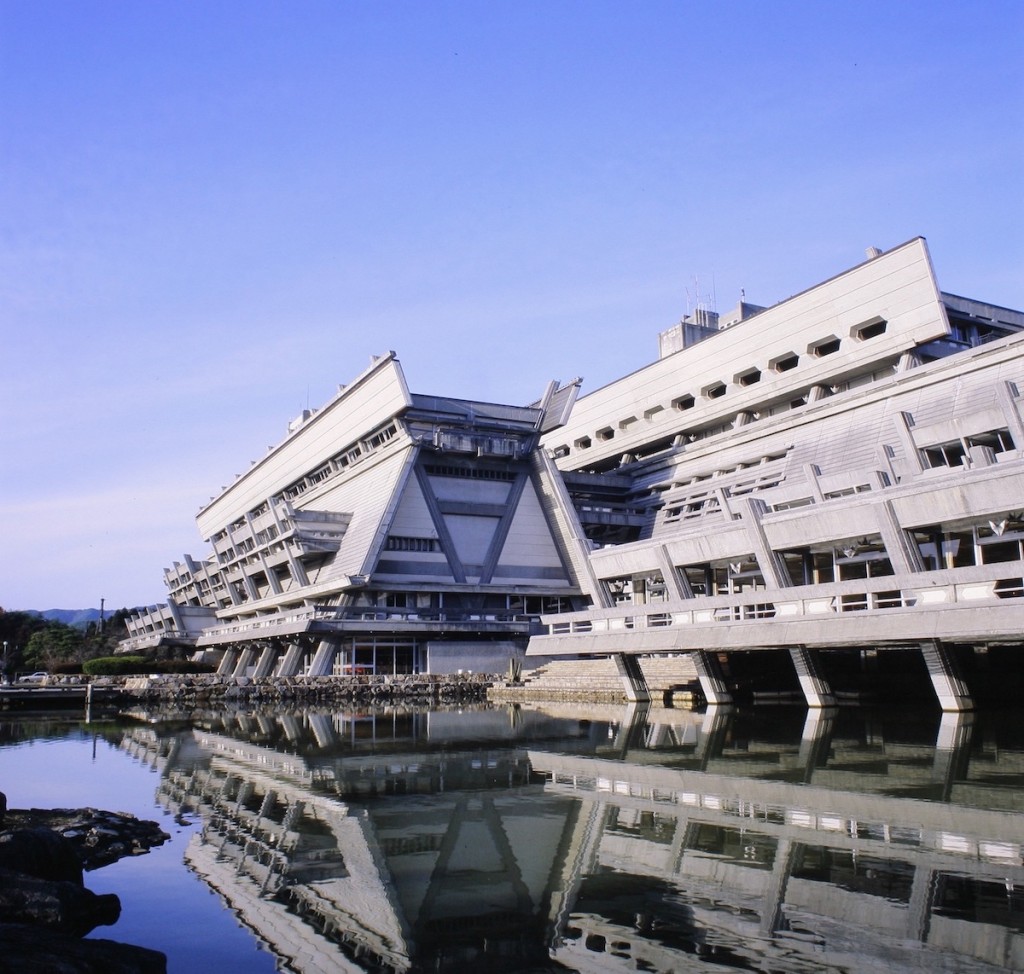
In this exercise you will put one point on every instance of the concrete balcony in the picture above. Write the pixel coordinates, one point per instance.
(982, 604)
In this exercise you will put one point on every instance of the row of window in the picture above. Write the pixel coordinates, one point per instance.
(469, 471)
(343, 459)
(715, 390)
(698, 496)
(967, 450)
(394, 543)
(993, 543)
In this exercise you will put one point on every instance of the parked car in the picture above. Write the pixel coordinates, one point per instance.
(39, 677)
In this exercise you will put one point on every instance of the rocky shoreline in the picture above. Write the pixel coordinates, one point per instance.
(45, 907)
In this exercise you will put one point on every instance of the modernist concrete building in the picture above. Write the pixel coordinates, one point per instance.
(842, 469)
(388, 533)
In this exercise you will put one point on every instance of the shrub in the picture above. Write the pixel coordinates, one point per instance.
(66, 669)
(181, 666)
(116, 666)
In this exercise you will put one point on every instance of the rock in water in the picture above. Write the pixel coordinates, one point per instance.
(24, 951)
(57, 905)
(40, 853)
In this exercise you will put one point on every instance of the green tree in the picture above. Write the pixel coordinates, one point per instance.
(54, 643)
(16, 628)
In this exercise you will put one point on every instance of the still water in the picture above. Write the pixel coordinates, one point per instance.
(552, 837)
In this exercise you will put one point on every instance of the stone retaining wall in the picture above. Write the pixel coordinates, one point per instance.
(203, 689)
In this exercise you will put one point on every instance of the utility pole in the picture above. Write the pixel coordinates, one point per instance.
(101, 616)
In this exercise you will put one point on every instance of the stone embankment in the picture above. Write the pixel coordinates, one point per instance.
(210, 689)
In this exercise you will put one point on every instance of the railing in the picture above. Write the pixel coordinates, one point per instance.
(874, 595)
(330, 614)
(149, 639)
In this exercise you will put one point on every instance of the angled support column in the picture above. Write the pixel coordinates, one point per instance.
(265, 664)
(788, 855)
(323, 661)
(323, 730)
(952, 750)
(227, 662)
(631, 729)
(712, 679)
(945, 675)
(291, 662)
(816, 740)
(711, 738)
(923, 892)
(816, 690)
(632, 677)
(247, 658)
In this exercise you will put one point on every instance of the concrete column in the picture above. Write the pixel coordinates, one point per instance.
(292, 816)
(227, 662)
(769, 561)
(816, 690)
(246, 660)
(903, 552)
(711, 677)
(265, 665)
(676, 583)
(632, 678)
(291, 662)
(323, 661)
(949, 687)
(244, 793)
(268, 803)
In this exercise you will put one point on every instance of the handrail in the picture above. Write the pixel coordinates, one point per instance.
(910, 593)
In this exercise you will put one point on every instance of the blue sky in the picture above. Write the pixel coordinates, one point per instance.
(213, 213)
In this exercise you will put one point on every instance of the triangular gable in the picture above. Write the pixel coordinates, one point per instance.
(371, 496)
(529, 544)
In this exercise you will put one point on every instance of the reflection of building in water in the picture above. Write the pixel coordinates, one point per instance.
(654, 836)
(749, 868)
(391, 849)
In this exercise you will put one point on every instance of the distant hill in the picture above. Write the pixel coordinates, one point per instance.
(80, 618)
